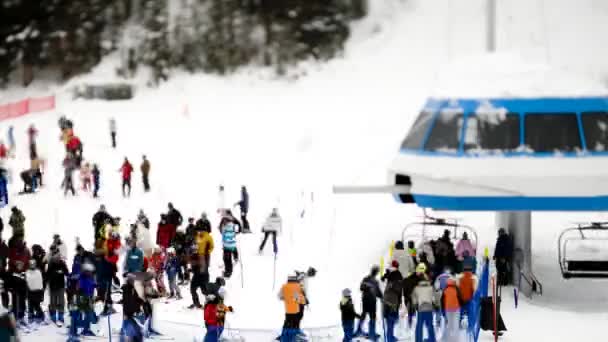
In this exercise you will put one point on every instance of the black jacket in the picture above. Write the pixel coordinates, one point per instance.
(203, 226)
(348, 310)
(131, 303)
(370, 289)
(409, 284)
(56, 275)
(179, 243)
(99, 219)
(174, 217)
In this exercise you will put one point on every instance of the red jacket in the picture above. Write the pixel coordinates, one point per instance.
(146, 264)
(126, 169)
(3, 151)
(73, 143)
(158, 262)
(15, 255)
(113, 245)
(215, 314)
(165, 234)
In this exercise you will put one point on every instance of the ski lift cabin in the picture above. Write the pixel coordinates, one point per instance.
(583, 251)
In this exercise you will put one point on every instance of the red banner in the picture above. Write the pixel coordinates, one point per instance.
(27, 106)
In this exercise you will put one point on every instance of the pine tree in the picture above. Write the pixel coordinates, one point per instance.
(155, 46)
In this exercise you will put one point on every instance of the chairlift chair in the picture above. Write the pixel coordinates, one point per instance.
(433, 227)
(577, 267)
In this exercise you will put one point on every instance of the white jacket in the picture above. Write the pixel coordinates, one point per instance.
(406, 263)
(428, 250)
(144, 240)
(424, 296)
(221, 201)
(273, 224)
(34, 280)
(63, 251)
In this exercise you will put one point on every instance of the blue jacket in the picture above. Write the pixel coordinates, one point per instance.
(134, 261)
(442, 281)
(86, 285)
(229, 237)
(172, 266)
(103, 270)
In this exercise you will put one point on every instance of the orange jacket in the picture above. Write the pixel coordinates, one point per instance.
(467, 283)
(451, 297)
(291, 293)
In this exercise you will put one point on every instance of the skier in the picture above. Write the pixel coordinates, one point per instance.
(17, 222)
(272, 226)
(180, 247)
(229, 218)
(104, 271)
(172, 266)
(157, 263)
(29, 185)
(69, 166)
(35, 293)
(145, 173)
(62, 249)
(11, 139)
(423, 298)
(291, 294)
(467, 283)
(221, 201)
(85, 301)
(99, 220)
(126, 169)
(230, 248)
(202, 224)
(56, 274)
(370, 289)
(85, 177)
(95, 173)
(174, 217)
(18, 288)
(3, 150)
(32, 132)
(164, 232)
(503, 254)
(200, 278)
(441, 282)
(131, 307)
(244, 209)
(215, 314)
(113, 131)
(403, 258)
(451, 302)
(134, 261)
(205, 245)
(392, 299)
(347, 310)
(74, 147)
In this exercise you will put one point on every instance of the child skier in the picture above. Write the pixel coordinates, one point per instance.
(56, 274)
(86, 301)
(215, 315)
(157, 263)
(35, 294)
(172, 266)
(348, 315)
(85, 177)
(230, 248)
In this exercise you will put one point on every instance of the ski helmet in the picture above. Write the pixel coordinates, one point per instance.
(346, 293)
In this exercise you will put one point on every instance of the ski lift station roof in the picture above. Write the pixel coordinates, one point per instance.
(505, 154)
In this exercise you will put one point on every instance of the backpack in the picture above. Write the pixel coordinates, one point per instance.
(466, 287)
(392, 294)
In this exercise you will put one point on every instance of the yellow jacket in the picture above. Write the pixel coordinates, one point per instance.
(204, 243)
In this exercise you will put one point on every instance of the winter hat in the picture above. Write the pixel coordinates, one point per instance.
(395, 264)
(292, 277)
(375, 269)
(421, 268)
(346, 293)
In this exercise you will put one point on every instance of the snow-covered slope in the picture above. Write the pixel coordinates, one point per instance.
(289, 142)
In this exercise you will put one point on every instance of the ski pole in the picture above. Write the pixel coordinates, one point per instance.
(241, 264)
(274, 272)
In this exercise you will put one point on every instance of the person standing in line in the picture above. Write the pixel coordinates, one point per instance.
(370, 289)
(272, 226)
(56, 274)
(96, 174)
(145, 172)
(244, 209)
(126, 169)
(347, 310)
(230, 249)
(113, 131)
(423, 299)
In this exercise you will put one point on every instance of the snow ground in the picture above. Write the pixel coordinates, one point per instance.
(339, 125)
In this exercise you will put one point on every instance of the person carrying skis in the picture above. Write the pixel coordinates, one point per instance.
(272, 226)
(423, 298)
(215, 315)
(291, 294)
(113, 131)
(347, 310)
(157, 263)
(126, 169)
(35, 293)
(370, 289)
(95, 173)
(56, 275)
(145, 173)
(171, 267)
(230, 248)
(244, 209)
(131, 307)
(392, 299)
